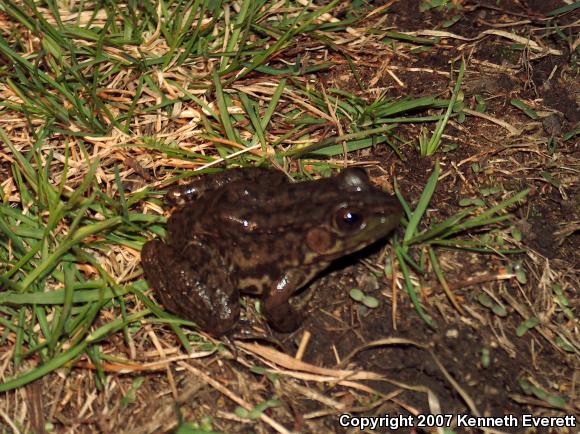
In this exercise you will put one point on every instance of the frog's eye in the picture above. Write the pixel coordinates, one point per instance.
(349, 219)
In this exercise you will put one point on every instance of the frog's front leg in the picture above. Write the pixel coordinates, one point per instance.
(281, 316)
(202, 184)
(190, 288)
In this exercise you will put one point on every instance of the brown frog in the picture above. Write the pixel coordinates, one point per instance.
(253, 231)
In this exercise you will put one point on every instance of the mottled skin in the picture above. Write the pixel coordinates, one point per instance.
(253, 231)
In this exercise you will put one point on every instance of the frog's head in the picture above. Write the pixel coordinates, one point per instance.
(356, 215)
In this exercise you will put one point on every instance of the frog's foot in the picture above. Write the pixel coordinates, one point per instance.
(306, 296)
(281, 317)
(212, 302)
(243, 334)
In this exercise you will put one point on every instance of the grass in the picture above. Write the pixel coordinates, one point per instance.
(109, 106)
(448, 234)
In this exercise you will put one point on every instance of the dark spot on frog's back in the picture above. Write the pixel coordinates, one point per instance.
(252, 230)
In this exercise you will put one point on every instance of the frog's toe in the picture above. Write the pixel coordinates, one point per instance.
(284, 320)
(288, 324)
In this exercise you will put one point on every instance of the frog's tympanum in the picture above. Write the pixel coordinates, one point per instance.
(253, 231)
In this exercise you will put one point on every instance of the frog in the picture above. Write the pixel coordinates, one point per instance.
(255, 231)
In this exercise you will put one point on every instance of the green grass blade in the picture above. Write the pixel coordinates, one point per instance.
(421, 206)
(72, 240)
(40, 371)
(223, 109)
(441, 124)
(66, 307)
(250, 109)
(273, 103)
(399, 250)
(71, 354)
(440, 228)
(486, 217)
(443, 281)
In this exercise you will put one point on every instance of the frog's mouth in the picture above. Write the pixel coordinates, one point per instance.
(375, 228)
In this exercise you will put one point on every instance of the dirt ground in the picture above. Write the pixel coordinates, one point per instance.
(387, 361)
